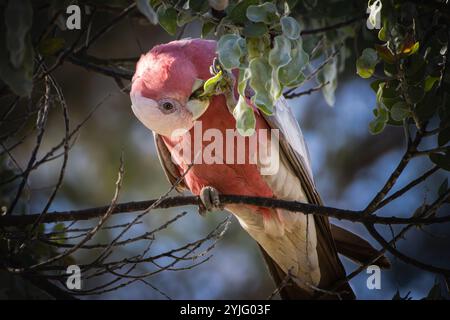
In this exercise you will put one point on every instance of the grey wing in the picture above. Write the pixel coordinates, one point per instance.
(170, 169)
(294, 146)
(293, 149)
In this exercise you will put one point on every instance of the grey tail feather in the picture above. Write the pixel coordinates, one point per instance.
(288, 290)
(356, 248)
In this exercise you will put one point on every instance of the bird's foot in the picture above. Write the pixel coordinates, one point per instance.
(210, 200)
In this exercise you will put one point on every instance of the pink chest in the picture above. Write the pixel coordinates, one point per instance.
(217, 156)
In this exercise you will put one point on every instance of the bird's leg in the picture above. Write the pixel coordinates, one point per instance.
(210, 200)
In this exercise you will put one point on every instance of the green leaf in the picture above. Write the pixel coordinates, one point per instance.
(244, 76)
(388, 95)
(416, 71)
(50, 46)
(18, 20)
(230, 50)
(410, 48)
(245, 117)
(238, 13)
(415, 93)
(276, 88)
(441, 160)
(375, 9)
(292, 3)
(20, 80)
(260, 81)
(385, 54)
(309, 4)
(266, 12)
(168, 19)
(146, 9)
(291, 75)
(207, 28)
(379, 95)
(198, 5)
(365, 65)
(254, 30)
(230, 100)
(382, 34)
(444, 137)
(184, 17)
(390, 70)
(280, 55)
(429, 82)
(375, 85)
(60, 234)
(400, 111)
(290, 27)
(377, 125)
(211, 84)
(328, 76)
(257, 47)
(427, 107)
(58, 227)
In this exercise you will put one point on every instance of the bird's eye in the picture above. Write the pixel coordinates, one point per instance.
(167, 106)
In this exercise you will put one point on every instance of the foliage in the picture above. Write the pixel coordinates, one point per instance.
(264, 41)
(269, 48)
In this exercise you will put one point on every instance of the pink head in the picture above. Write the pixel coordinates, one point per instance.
(164, 80)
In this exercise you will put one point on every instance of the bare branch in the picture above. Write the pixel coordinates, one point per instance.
(169, 202)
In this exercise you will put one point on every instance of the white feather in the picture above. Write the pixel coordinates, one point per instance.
(288, 125)
(288, 237)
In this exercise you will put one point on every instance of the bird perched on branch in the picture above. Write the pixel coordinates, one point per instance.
(301, 251)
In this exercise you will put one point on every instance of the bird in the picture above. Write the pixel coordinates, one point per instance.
(301, 251)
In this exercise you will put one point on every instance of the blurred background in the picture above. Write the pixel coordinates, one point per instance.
(350, 166)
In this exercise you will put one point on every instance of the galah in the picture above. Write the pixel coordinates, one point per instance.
(300, 250)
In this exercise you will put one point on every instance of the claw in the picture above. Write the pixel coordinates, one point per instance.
(210, 200)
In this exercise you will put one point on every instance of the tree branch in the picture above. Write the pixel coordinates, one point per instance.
(169, 202)
(334, 26)
(111, 72)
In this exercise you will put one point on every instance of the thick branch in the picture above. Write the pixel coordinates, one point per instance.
(294, 206)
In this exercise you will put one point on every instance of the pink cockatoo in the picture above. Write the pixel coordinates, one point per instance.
(301, 248)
